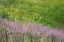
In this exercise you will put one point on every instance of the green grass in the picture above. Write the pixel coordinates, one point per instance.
(41, 11)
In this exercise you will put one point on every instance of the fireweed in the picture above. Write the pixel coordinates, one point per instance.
(17, 32)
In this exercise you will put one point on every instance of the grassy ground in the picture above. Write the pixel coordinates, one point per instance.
(47, 12)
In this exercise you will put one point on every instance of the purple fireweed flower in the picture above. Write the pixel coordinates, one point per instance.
(1, 19)
(33, 29)
(45, 29)
(6, 22)
(25, 28)
(9, 30)
(52, 32)
(2, 26)
(60, 35)
(13, 24)
(40, 27)
(56, 33)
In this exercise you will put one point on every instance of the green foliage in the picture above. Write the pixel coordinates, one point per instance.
(4, 15)
(40, 11)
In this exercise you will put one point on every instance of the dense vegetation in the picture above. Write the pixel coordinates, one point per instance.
(11, 31)
(41, 11)
(31, 20)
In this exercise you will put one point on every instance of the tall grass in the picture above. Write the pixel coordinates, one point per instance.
(40, 11)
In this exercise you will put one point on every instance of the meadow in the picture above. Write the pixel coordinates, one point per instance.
(31, 20)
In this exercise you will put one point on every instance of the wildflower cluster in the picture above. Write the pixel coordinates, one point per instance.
(11, 31)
